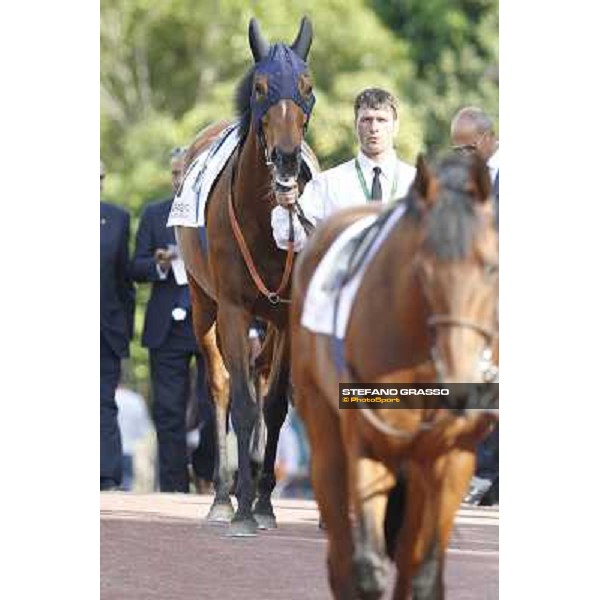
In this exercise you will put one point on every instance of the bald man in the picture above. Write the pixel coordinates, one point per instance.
(472, 130)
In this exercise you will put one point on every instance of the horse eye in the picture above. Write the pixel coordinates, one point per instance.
(259, 88)
(490, 269)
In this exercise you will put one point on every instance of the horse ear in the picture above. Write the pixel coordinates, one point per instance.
(481, 177)
(303, 40)
(258, 44)
(423, 182)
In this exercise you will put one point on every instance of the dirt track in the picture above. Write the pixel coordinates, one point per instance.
(156, 547)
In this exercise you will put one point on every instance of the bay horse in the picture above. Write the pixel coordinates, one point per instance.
(389, 481)
(241, 273)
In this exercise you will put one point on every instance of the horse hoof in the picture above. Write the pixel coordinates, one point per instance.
(265, 521)
(220, 513)
(371, 577)
(246, 527)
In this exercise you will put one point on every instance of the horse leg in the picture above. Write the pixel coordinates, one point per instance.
(329, 481)
(451, 474)
(417, 547)
(370, 482)
(275, 410)
(203, 318)
(458, 470)
(233, 323)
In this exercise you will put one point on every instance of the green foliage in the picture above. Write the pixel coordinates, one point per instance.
(170, 67)
(453, 47)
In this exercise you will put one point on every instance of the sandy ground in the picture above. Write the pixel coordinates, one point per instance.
(157, 547)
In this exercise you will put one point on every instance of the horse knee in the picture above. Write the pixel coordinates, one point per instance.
(219, 387)
(243, 416)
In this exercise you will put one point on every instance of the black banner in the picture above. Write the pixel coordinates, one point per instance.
(455, 396)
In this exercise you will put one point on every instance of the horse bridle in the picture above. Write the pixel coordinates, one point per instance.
(490, 371)
(304, 222)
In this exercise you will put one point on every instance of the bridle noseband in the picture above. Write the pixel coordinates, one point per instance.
(437, 320)
(489, 370)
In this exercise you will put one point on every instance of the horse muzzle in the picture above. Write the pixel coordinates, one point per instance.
(287, 167)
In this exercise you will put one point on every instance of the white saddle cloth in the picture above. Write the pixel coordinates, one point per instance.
(318, 314)
(189, 205)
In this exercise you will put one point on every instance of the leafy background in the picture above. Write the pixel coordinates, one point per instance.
(170, 67)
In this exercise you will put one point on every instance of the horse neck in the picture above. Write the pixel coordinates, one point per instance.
(405, 292)
(253, 186)
(388, 333)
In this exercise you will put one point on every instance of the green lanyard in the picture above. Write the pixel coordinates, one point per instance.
(363, 183)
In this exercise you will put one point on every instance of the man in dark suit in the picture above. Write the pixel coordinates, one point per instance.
(117, 304)
(169, 336)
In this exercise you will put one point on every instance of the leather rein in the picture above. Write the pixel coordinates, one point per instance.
(274, 297)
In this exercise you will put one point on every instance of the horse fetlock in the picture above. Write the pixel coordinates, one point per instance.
(264, 506)
(372, 573)
(267, 484)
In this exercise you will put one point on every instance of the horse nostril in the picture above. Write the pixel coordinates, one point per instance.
(287, 163)
(275, 156)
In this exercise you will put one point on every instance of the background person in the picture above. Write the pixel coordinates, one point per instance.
(117, 304)
(169, 337)
(472, 130)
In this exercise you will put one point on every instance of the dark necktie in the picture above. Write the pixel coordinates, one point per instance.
(496, 199)
(496, 186)
(376, 193)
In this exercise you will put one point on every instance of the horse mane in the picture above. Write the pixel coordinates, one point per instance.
(243, 92)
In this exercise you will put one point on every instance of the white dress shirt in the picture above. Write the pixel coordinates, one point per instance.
(341, 187)
(493, 164)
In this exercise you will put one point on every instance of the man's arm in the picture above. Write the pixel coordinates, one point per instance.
(125, 287)
(144, 265)
(311, 203)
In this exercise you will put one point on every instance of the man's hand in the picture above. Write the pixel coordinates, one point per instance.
(163, 258)
(286, 197)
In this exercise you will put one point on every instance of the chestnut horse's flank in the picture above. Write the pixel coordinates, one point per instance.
(237, 276)
(425, 311)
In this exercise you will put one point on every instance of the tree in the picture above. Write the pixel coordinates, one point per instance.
(170, 67)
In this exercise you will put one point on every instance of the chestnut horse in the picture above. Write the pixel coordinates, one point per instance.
(425, 311)
(240, 273)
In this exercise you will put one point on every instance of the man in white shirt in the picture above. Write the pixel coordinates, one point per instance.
(375, 175)
(472, 130)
